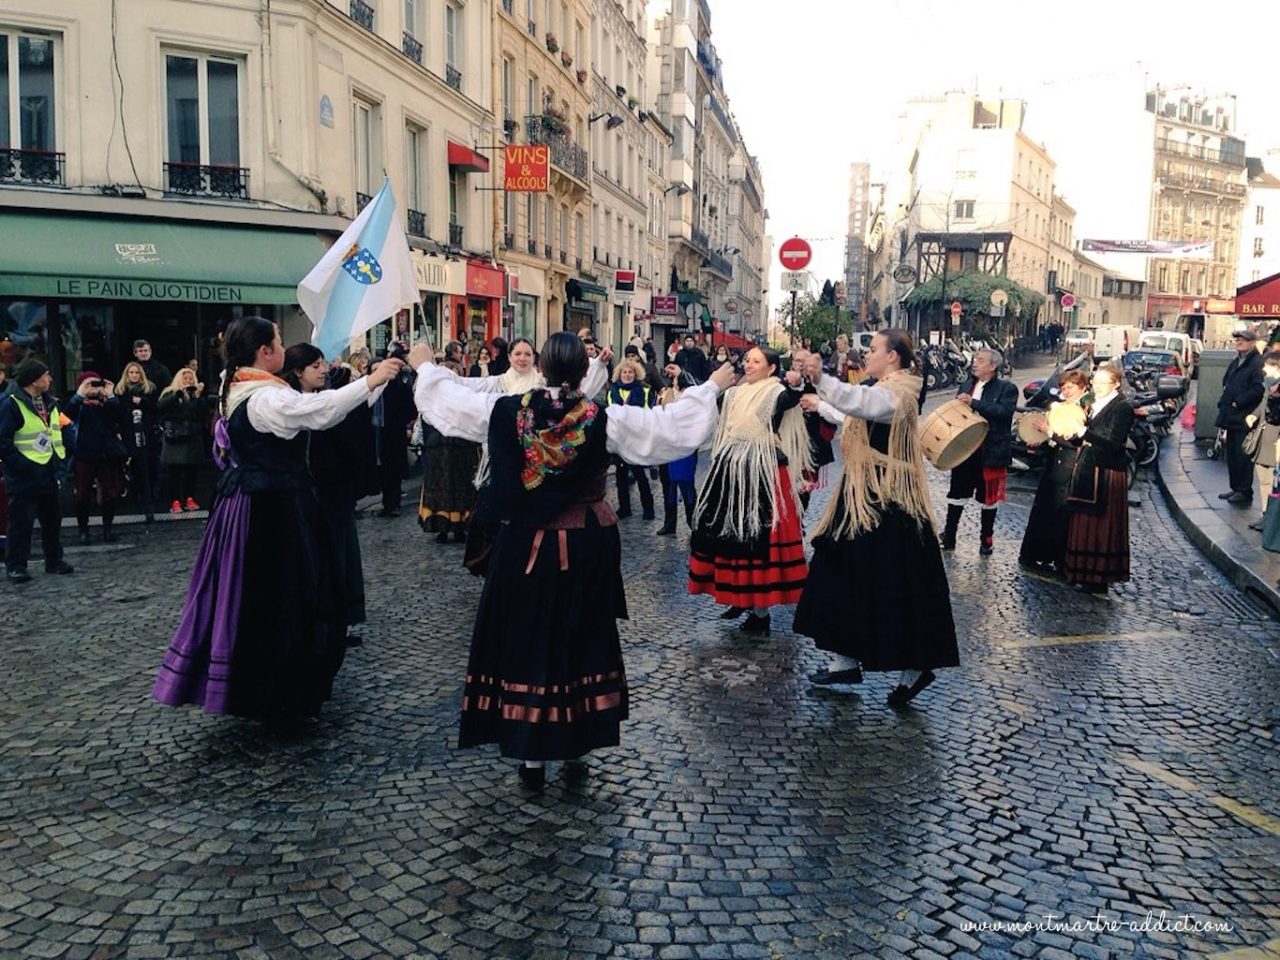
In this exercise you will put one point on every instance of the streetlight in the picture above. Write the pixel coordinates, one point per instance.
(679, 188)
(613, 122)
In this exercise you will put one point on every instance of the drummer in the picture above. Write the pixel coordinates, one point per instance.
(982, 476)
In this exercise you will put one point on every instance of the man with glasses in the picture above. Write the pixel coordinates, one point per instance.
(1241, 393)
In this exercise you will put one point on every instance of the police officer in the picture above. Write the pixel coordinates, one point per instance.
(30, 448)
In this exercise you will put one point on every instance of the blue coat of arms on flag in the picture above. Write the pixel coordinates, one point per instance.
(361, 265)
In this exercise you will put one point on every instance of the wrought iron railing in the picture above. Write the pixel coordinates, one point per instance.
(412, 47)
(453, 76)
(33, 166)
(361, 13)
(1214, 154)
(206, 180)
(532, 246)
(417, 222)
(577, 262)
(533, 29)
(546, 250)
(455, 234)
(720, 264)
(508, 240)
(362, 200)
(565, 154)
(700, 239)
(1207, 184)
(510, 7)
(564, 257)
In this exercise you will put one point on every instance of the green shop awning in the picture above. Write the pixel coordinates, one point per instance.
(54, 256)
(586, 291)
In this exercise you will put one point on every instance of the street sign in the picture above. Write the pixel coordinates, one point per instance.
(1067, 301)
(731, 306)
(666, 306)
(795, 254)
(795, 281)
(956, 309)
(999, 298)
(904, 273)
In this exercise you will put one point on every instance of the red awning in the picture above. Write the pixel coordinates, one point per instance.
(731, 340)
(464, 158)
(1260, 299)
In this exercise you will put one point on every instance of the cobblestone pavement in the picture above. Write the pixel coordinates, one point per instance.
(1113, 757)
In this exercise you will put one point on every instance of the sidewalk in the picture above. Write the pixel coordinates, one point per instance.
(1191, 483)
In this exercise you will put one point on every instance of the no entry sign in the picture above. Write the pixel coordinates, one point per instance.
(795, 254)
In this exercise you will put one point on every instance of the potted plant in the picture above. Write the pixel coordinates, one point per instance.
(553, 45)
(633, 101)
(582, 76)
(566, 59)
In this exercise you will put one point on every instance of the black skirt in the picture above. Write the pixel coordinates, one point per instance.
(881, 597)
(1045, 539)
(545, 679)
(448, 484)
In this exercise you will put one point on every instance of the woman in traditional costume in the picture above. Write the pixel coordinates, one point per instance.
(1044, 543)
(875, 547)
(548, 683)
(747, 545)
(263, 627)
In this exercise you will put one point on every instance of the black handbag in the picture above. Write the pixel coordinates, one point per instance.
(1084, 492)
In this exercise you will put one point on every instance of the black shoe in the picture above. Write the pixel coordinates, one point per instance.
(84, 536)
(827, 678)
(667, 529)
(624, 514)
(733, 613)
(1093, 589)
(533, 778)
(460, 535)
(108, 535)
(648, 515)
(392, 512)
(441, 537)
(1240, 499)
(18, 575)
(947, 542)
(754, 624)
(1258, 524)
(575, 771)
(354, 640)
(1226, 496)
(987, 548)
(60, 567)
(902, 695)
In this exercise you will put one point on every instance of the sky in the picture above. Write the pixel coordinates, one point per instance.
(818, 84)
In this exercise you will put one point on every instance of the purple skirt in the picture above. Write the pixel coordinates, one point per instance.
(263, 627)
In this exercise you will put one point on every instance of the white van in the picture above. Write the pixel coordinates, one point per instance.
(1178, 343)
(1111, 341)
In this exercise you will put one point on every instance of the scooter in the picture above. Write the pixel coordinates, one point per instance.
(1153, 412)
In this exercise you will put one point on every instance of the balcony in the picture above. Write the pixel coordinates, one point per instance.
(508, 241)
(565, 154)
(509, 6)
(362, 201)
(533, 29)
(455, 234)
(417, 223)
(33, 166)
(719, 112)
(701, 240)
(361, 13)
(546, 251)
(412, 47)
(1204, 184)
(533, 247)
(453, 76)
(577, 262)
(206, 180)
(719, 264)
(1213, 154)
(564, 257)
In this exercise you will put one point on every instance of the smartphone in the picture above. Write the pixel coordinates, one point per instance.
(97, 383)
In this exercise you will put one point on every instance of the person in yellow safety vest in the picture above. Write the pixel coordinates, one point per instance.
(30, 448)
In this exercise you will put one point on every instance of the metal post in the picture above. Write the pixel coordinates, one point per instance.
(793, 316)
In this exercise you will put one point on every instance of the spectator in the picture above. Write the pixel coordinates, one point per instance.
(499, 362)
(156, 371)
(30, 448)
(1264, 454)
(693, 361)
(393, 415)
(483, 367)
(630, 390)
(140, 431)
(6, 388)
(183, 410)
(99, 451)
(1241, 393)
(650, 353)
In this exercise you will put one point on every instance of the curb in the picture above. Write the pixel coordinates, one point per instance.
(1215, 546)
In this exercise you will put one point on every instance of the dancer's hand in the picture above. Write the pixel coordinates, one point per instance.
(385, 371)
(809, 403)
(724, 377)
(813, 367)
(420, 354)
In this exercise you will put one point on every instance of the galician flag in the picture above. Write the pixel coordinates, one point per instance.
(363, 279)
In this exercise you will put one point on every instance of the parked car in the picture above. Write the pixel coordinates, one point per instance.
(1197, 348)
(1111, 340)
(1171, 340)
(1077, 340)
(1164, 361)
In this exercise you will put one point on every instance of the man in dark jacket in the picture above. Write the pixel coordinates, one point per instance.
(393, 414)
(30, 448)
(156, 371)
(1241, 393)
(982, 476)
(693, 361)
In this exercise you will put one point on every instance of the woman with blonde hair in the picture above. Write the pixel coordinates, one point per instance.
(630, 390)
(139, 428)
(183, 410)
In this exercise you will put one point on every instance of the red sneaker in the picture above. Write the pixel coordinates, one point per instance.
(191, 504)
(175, 507)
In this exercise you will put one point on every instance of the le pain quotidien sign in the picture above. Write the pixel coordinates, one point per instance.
(103, 288)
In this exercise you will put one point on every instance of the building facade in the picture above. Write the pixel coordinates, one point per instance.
(855, 246)
(1260, 224)
(745, 307)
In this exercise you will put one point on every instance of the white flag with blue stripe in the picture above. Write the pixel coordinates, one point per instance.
(364, 278)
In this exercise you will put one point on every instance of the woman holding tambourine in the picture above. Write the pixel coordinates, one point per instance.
(1045, 541)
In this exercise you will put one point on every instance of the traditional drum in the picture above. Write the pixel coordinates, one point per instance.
(1033, 427)
(951, 434)
(1066, 419)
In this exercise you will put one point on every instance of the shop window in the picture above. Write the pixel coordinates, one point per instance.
(202, 114)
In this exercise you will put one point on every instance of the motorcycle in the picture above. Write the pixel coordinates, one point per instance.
(1155, 403)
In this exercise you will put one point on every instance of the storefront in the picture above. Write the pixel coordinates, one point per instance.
(477, 314)
(439, 280)
(114, 280)
(584, 299)
(527, 287)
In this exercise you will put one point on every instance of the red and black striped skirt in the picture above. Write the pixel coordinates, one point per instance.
(1098, 545)
(764, 581)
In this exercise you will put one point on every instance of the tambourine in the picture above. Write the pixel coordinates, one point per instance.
(1066, 419)
(1033, 427)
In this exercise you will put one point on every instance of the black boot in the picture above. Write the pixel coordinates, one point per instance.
(668, 520)
(688, 513)
(948, 538)
(987, 547)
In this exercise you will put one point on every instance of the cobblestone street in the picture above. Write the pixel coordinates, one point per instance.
(1113, 757)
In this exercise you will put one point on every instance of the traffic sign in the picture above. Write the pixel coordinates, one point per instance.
(956, 308)
(795, 281)
(1067, 301)
(795, 254)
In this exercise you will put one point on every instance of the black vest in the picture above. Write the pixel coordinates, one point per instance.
(263, 461)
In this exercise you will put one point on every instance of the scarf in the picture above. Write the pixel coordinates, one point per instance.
(549, 450)
(744, 458)
(873, 479)
(515, 382)
(246, 382)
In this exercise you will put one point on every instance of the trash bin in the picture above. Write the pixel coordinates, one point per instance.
(1213, 364)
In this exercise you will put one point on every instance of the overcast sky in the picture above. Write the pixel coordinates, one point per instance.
(818, 84)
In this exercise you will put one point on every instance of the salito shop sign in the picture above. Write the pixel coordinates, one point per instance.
(111, 289)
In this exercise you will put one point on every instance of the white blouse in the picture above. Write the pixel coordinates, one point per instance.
(866, 403)
(285, 412)
(641, 436)
(596, 377)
